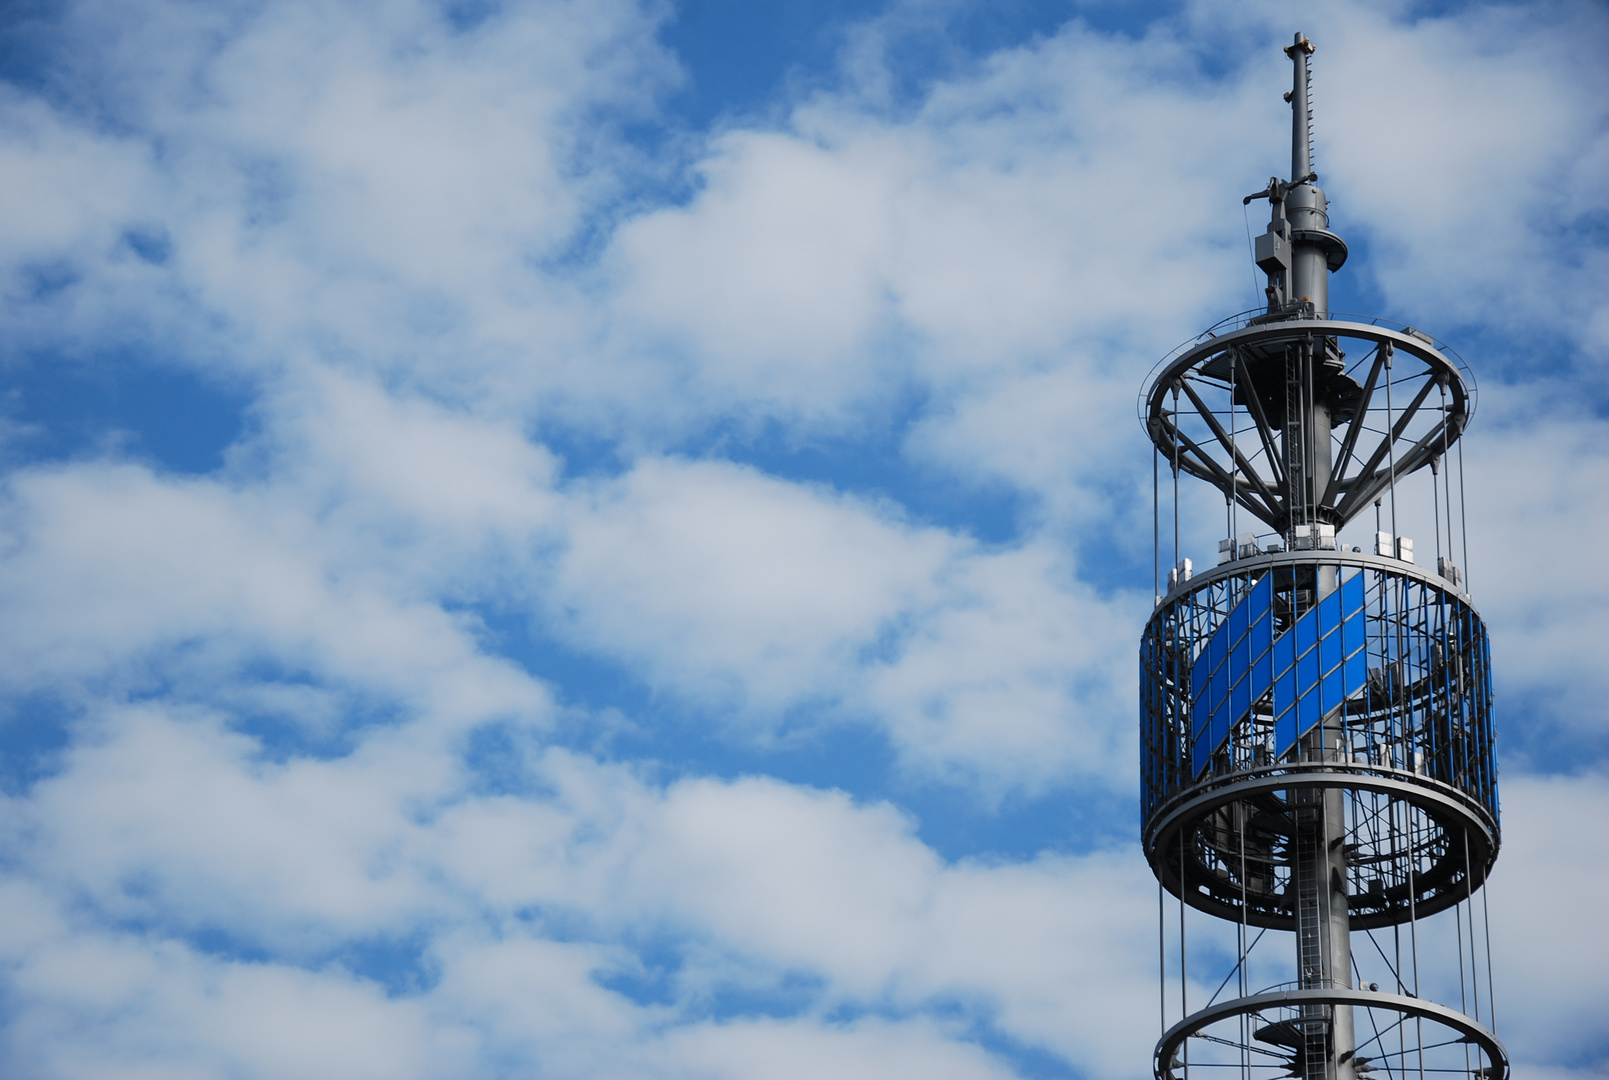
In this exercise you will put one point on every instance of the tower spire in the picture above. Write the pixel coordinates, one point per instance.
(1301, 112)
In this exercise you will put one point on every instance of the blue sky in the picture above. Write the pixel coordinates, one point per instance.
(610, 539)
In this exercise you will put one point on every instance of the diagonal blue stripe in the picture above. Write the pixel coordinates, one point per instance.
(1312, 668)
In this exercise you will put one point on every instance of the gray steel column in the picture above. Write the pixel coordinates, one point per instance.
(1305, 205)
(1319, 870)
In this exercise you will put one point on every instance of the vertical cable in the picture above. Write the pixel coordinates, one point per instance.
(1245, 1050)
(1463, 989)
(1469, 895)
(1463, 519)
(1234, 456)
(1304, 436)
(1491, 994)
(1447, 481)
(1391, 451)
(1413, 933)
(1162, 961)
(1177, 565)
(1396, 935)
(1184, 979)
(1251, 249)
(1435, 507)
(1156, 524)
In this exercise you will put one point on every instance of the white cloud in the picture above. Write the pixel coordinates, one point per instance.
(429, 248)
(1548, 946)
(712, 576)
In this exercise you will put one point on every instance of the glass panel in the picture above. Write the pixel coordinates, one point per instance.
(1306, 631)
(1284, 652)
(1352, 596)
(1239, 660)
(1334, 691)
(1329, 651)
(1354, 632)
(1240, 699)
(1237, 621)
(1357, 672)
(1262, 676)
(1308, 712)
(1222, 721)
(1285, 733)
(1285, 692)
(1328, 613)
(1307, 672)
(1262, 634)
(1262, 596)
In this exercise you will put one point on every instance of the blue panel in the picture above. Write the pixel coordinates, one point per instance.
(1306, 632)
(1307, 672)
(1334, 689)
(1329, 613)
(1200, 672)
(1298, 722)
(1284, 652)
(1237, 621)
(1239, 660)
(1201, 749)
(1352, 595)
(1222, 721)
(1355, 632)
(1309, 712)
(1285, 692)
(1329, 651)
(1262, 676)
(1285, 733)
(1224, 687)
(1262, 597)
(1262, 634)
(1357, 672)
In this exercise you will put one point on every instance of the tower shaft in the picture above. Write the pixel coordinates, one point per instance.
(1323, 931)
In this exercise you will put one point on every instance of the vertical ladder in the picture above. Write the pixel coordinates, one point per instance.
(1295, 450)
(1311, 950)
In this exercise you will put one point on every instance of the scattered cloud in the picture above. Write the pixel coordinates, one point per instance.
(590, 464)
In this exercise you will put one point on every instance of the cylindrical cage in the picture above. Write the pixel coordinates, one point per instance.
(1281, 676)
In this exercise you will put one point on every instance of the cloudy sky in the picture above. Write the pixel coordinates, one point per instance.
(609, 538)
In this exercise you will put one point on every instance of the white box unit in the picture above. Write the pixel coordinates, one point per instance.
(1446, 569)
(1405, 549)
(1179, 574)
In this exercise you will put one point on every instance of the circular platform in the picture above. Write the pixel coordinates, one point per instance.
(1273, 1034)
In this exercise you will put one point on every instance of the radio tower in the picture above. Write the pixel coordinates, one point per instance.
(1317, 770)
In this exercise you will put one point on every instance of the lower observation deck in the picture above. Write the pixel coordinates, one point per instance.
(1282, 675)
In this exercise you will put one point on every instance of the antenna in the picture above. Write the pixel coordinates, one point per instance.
(1301, 112)
(1316, 717)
